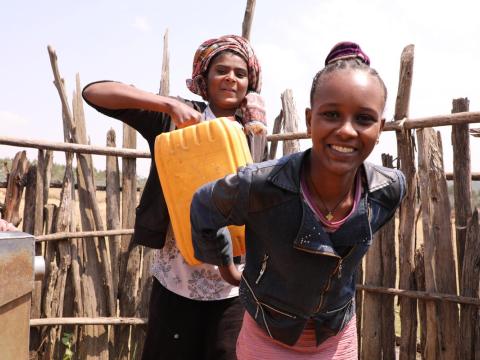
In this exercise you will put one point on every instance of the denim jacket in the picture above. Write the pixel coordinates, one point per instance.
(294, 270)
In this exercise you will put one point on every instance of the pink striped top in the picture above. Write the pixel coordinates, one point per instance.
(254, 344)
(331, 226)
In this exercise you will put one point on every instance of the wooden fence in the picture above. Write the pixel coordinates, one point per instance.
(93, 300)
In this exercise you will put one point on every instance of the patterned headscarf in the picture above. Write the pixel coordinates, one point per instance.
(347, 50)
(206, 51)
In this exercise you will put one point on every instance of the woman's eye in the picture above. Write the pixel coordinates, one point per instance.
(365, 118)
(241, 74)
(331, 114)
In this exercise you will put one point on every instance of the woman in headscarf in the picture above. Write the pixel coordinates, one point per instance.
(193, 313)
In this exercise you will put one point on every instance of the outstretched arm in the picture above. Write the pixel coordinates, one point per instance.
(117, 96)
(6, 226)
(214, 206)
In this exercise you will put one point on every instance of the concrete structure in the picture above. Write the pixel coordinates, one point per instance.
(17, 269)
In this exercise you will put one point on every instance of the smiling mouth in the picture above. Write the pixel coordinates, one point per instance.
(343, 149)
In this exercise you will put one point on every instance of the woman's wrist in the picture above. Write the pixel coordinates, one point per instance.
(230, 274)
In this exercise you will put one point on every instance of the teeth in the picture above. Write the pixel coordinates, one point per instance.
(342, 149)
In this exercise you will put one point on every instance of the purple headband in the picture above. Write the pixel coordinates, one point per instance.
(347, 50)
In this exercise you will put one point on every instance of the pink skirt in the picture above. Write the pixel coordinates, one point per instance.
(254, 344)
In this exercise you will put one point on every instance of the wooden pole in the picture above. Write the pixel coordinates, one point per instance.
(56, 184)
(389, 275)
(29, 208)
(406, 231)
(248, 19)
(86, 166)
(420, 281)
(469, 286)
(372, 304)
(424, 295)
(82, 234)
(16, 183)
(290, 121)
(59, 264)
(94, 300)
(440, 274)
(44, 164)
(378, 336)
(164, 88)
(462, 184)
(277, 127)
(130, 258)
(88, 321)
(112, 183)
(397, 125)
(74, 148)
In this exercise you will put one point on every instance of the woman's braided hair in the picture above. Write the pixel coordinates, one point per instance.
(346, 55)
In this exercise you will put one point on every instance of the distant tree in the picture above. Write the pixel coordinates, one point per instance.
(58, 170)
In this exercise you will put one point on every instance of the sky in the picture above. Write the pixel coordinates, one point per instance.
(123, 40)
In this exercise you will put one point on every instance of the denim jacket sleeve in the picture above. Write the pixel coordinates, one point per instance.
(214, 206)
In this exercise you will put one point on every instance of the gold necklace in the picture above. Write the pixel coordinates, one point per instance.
(330, 213)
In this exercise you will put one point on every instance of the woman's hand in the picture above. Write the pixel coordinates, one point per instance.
(6, 226)
(115, 95)
(253, 114)
(183, 115)
(230, 274)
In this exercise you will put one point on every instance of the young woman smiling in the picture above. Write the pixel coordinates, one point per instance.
(309, 220)
(194, 313)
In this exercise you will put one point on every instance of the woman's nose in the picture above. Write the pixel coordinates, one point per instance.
(347, 129)
(230, 76)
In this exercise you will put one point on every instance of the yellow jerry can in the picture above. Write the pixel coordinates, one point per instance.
(190, 157)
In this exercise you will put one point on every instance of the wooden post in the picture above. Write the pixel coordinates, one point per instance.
(102, 302)
(469, 285)
(389, 275)
(29, 208)
(112, 183)
(44, 166)
(420, 281)
(378, 337)
(291, 122)
(372, 304)
(59, 263)
(248, 19)
(112, 186)
(277, 127)
(130, 256)
(462, 184)
(406, 231)
(49, 281)
(164, 88)
(359, 306)
(94, 342)
(16, 182)
(440, 274)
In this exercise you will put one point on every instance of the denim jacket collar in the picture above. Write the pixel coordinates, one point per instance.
(287, 175)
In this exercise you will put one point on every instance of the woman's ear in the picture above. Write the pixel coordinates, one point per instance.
(382, 124)
(308, 120)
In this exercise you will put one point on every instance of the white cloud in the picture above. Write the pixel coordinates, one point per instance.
(141, 23)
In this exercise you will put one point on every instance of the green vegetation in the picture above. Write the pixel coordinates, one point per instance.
(67, 340)
(58, 170)
(475, 193)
